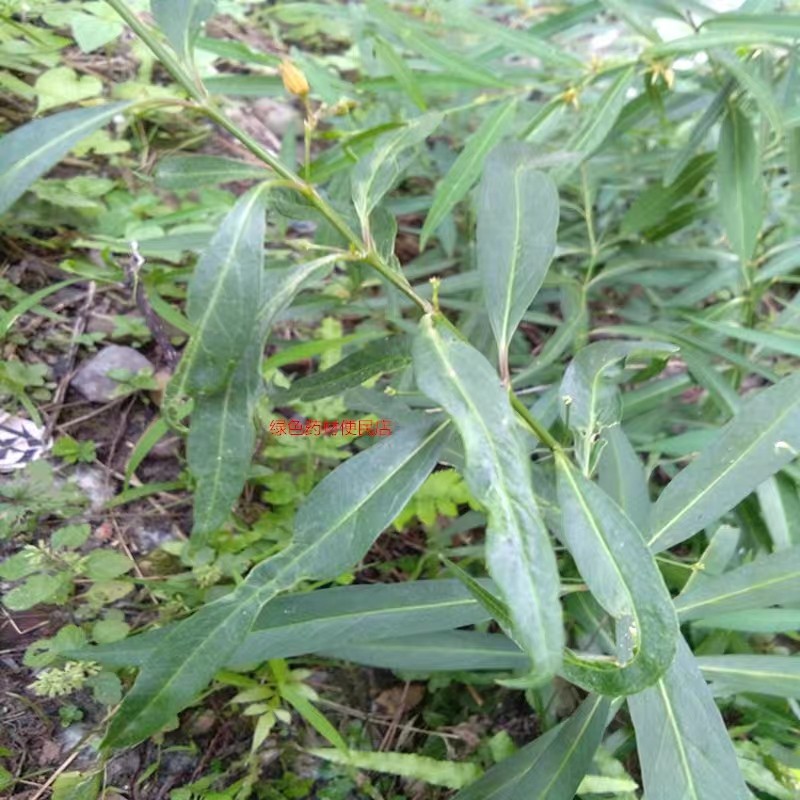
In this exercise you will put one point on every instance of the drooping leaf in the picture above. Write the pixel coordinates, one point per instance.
(517, 222)
(518, 552)
(684, 749)
(181, 20)
(740, 191)
(769, 580)
(620, 571)
(336, 525)
(552, 766)
(778, 676)
(467, 167)
(761, 439)
(31, 150)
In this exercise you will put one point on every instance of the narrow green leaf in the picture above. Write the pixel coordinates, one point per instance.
(778, 676)
(312, 715)
(780, 507)
(186, 660)
(181, 21)
(759, 620)
(377, 173)
(434, 652)
(699, 132)
(783, 25)
(552, 766)
(518, 551)
(336, 525)
(761, 439)
(384, 355)
(769, 580)
(684, 749)
(467, 167)
(224, 299)
(613, 559)
(191, 172)
(597, 124)
(219, 447)
(415, 37)
(621, 474)
(31, 150)
(452, 774)
(518, 214)
(740, 191)
(400, 70)
(654, 204)
(760, 91)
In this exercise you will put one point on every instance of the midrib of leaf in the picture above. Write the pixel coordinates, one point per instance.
(601, 539)
(576, 741)
(684, 759)
(455, 381)
(717, 598)
(515, 256)
(786, 411)
(614, 90)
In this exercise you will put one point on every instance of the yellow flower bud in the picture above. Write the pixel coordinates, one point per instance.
(293, 79)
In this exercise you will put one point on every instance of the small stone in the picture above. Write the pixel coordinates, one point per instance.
(92, 379)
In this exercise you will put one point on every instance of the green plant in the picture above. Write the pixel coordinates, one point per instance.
(652, 237)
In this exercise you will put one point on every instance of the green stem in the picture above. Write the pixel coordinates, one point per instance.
(204, 105)
(536, 427)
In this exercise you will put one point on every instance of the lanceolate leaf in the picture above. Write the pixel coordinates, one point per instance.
(222, 433)
(333, 529)
(684, 749)
(191, 172)
(467, 167)
(518, 551)
(224, 299)
(740, 191)
(378, 172)
(767, 581)
(517, 222)
(552, 766)
(598, 122)
(383, 355)
(181, 20)
(31, 150)
(613, 559)
(761, 439)
(219, 447)
(434, 652)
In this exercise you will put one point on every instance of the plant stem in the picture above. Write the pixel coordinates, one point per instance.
(205, 106)
(536, 427)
